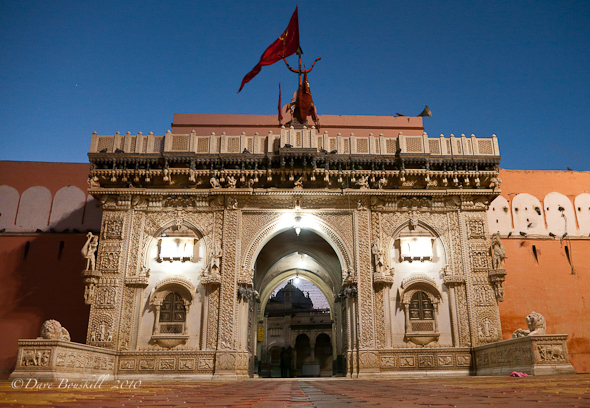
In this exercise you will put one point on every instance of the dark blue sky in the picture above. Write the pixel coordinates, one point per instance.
(517, 69)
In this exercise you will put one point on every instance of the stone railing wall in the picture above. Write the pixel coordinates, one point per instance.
(295, 138)
(534, 355)
(53, 360)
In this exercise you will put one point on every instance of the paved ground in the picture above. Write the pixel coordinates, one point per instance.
(562, 391)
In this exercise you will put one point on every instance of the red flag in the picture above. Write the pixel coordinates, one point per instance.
(287, 44)
(280, 113)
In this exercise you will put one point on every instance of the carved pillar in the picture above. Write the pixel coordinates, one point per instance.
(225, 357)
(108, 301)
(353, 335)
(368, 362)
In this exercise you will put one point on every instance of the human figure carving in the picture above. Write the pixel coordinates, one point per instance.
(378, 256)
(89, 250)
(363, 182)
(215, 262)
(214, 182)
(299, 183)
(231, 182)
(499, 253)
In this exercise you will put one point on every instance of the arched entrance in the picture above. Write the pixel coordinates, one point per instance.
(298, 276)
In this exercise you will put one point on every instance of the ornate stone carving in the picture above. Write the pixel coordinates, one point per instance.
(35, 357)
(536, 324)
(53, 330)
(228, 281)
(89, 251)
(368, 359)
(499, 253)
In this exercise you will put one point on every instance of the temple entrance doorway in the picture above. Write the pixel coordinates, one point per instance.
(300, 323)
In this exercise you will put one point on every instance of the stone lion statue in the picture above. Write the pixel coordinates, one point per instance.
(537, 326)
(53, 330)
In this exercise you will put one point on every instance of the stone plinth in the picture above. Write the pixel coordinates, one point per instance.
(53, 360)
(534, 355)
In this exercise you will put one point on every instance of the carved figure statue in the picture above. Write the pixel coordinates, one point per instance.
(363, 182)
(145, 271)
(232, 203)
(251, 183)
(215, 262)
(231, 182)
(536, 324)
(89, 251)
(53, 330)
(495, 183)
(299, 183)
(377, 256)
(499, 251)
(214, 182)
(499, 291)
(382, 183)
(89, 293)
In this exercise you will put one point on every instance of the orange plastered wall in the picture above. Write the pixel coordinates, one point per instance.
(551, 284)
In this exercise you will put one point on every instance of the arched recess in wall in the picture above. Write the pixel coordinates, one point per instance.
(33, 210)
(67, 209)
(437, 258)
(174, 257)
(499, 218)
(527, 214)
(559, 212)
(420, 267)
(8, 207)
(306, 221)
(582, 204)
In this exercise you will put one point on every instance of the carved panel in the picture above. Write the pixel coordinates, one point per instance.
(109, 256)
(387, 361)
(483, 295)
(380, 317)
(136, 243)
(105, 297)
(476, 228)
(368, 359)
(407, 362)
(425, 361)
(228, 281)
(445, 361)
(363, 265)
(127, 314)
(112, 225)
(212, 317)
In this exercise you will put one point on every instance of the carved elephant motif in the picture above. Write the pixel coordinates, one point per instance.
(29, 357)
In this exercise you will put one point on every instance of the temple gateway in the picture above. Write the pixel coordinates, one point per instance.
(206, 229)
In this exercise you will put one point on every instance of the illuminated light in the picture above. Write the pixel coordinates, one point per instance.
(176, 249)
(297, 225)
(416, 247)
(297, 280)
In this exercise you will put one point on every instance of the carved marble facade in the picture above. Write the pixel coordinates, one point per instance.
(414, 288)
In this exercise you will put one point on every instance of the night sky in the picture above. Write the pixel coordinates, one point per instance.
(517, 69)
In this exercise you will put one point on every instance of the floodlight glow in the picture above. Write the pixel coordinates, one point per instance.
(176, 249)
(416, 247)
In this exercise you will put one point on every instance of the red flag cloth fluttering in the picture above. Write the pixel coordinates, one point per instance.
(286, 45)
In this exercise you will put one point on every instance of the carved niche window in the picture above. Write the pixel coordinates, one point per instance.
(420, 298)
(171, 300)
(421, 307)
(172, 314)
